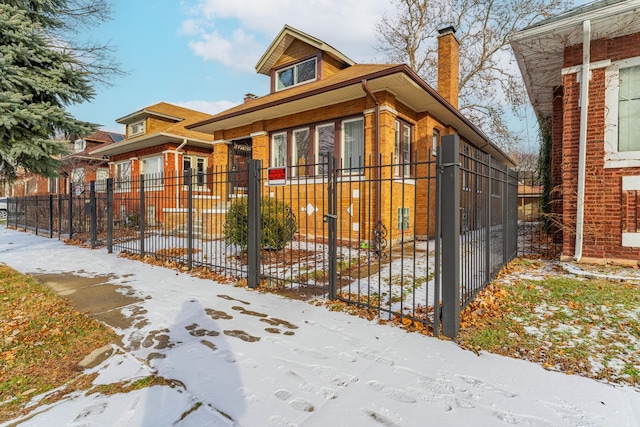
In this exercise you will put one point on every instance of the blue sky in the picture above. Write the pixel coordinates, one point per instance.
(201, 53)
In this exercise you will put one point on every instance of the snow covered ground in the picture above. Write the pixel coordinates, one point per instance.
(253, 359)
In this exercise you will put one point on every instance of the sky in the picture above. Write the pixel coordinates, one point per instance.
(246, 358)
(201, 54)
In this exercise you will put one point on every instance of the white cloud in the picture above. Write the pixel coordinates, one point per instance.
(239, 51)
(211, 107)
(236, 33)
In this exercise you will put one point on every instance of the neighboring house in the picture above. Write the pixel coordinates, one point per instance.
(529, 202)
(78, 168)
(322, 103)
(595, 126)
(159, 146)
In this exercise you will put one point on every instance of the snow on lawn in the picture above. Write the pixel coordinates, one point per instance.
(247, 358)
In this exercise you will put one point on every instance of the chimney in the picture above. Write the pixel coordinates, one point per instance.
(448, 64)
(248, 97)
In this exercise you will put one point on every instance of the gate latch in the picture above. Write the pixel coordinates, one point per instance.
(326, 217)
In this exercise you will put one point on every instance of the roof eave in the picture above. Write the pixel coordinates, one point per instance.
(149, 141)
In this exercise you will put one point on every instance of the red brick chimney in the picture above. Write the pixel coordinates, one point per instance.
(448, 65)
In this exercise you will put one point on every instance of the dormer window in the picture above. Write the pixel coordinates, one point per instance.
(136, 128)
(79, 145)
(296, 74)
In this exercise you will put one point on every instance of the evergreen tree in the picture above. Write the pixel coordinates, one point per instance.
(41, 73)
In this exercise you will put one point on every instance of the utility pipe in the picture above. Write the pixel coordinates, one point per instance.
(582, 152)
(184, 142)
(376, 152)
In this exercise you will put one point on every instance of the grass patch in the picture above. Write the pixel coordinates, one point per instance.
(584, 326)
(42, 339)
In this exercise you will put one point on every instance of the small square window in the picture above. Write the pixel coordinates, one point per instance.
(136, 128)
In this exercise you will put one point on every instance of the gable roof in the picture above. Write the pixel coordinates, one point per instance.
(175, 132)
(282, 41)
(539, 48)
(345, 85)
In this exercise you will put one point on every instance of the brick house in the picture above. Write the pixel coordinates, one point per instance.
(158, 145)
(322, 103)
(595, 150)
(78, 168)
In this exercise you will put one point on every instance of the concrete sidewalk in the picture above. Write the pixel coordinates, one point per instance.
(240, 357)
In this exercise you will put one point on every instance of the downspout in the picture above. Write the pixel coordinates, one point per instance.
(376, 154)
(184, 142)
(582, 153)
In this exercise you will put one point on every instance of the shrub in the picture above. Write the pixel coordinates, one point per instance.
(277, 224)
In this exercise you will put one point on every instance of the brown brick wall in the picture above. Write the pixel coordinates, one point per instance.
(608, 210)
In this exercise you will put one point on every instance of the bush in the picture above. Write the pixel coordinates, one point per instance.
(277, 224)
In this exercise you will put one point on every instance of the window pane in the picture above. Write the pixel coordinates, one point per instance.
(396, 150)
(279, 150)
(301, 147)
(186, 166)
(326, 144)
(285, 78)
(406, 150)
(306, 71)
(629, 110)
(200, 170)
(353, 141)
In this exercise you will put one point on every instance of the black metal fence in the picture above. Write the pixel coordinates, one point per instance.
(412, 242)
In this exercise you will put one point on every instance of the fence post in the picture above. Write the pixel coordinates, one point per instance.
(189, 174)
(506, 238)
(93, 215)
(109, 215)
(253, 226)
(59, 197)
(70, 209)
(51, 216)
(331, 219)
(489, 209)
(450, 173)
(36, 215)
(141, 216)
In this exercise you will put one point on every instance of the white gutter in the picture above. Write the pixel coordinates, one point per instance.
(184, 142)
(582, 153)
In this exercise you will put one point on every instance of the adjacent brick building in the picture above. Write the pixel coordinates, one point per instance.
(595, 127)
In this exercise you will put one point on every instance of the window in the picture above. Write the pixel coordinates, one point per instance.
(79, 145)
(403, 219)
(296, 74)
(102, 174)
(353, 145)
(629, 109)
(53, 185)
(436, 142)
(622, 108)
(152, 168)
(77, 176)
(325, 144)
(198, 167)
(300, 155)
(402, 149)
(136, 128)
(122, 181)
(279, 150)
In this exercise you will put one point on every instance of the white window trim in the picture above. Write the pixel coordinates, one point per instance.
(153, 186)
(126, 180)
(316, 147)
(612, 157)
(295, 74)
(140, 132)
(294, 151)
(273, 151)
(343, 145)
(194, 166)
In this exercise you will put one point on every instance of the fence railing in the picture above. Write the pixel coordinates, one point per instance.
(412, 242)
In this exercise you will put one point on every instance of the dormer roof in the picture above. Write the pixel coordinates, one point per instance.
(284, 40)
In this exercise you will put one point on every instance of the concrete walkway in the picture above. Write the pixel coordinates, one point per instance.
(240, 357)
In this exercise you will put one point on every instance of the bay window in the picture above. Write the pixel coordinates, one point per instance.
(152, 168)
(353, 145)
